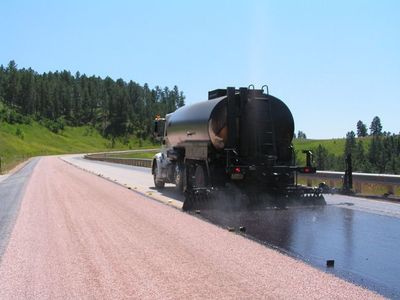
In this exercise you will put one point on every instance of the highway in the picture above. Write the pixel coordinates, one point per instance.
(98, 233)
(11, 191)
(361, 235)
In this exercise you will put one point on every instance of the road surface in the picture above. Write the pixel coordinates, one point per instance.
(361, 235)
(79, 236)
(11, 191)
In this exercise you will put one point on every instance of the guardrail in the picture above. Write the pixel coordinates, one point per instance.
(139, 162)
(387, 183)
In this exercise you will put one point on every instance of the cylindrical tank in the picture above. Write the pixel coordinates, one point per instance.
(266, 128)
(263, 119)
(197, 122)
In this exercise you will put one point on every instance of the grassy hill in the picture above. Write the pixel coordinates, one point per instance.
(20, 141)
(334, 146)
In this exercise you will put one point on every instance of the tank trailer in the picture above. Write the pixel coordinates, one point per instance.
(238, 139)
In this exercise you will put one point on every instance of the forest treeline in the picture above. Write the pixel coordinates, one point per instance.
(377, 152)
(121, 109)
(114, 107)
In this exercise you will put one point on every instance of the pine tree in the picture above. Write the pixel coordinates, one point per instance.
(2, 81)
(361, 129)
(321, 157)
(301, 135)
(181, 100)
(376, 126)
(12, 86)
(350, 143)
(359, 157)
(374, 154)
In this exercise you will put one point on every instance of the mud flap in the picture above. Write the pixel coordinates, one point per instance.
(197, 198)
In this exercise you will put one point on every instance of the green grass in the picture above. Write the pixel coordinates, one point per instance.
(20, 141)
(334, 146)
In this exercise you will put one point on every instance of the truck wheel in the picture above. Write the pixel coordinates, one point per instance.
(179, 177)
(199, 177)
(159, 184)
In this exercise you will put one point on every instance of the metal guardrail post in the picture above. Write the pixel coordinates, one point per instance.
(1, 171)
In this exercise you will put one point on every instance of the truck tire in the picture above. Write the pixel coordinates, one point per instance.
(200, 177)
(180, 177)
(159, 184)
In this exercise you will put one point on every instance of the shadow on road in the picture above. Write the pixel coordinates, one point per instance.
(170, 192)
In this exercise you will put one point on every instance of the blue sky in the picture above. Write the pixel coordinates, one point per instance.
(332, 62)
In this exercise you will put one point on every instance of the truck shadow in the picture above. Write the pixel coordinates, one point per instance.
(170, 192)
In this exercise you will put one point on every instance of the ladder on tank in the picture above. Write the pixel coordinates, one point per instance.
(268, 138)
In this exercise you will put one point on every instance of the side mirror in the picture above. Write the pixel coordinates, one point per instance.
(159, 126)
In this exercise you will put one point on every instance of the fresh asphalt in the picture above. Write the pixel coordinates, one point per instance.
(11, 193)
(363, 245)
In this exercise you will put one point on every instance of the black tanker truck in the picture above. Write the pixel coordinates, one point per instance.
(239, 139)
